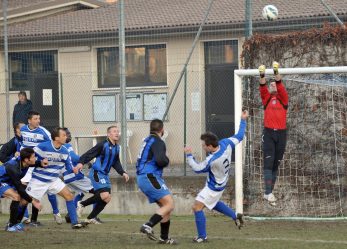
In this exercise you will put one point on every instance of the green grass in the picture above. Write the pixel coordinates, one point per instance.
(123, 232)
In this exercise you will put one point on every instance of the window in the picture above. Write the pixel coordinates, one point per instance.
(145, 66)
(25, 65)
(221, 52)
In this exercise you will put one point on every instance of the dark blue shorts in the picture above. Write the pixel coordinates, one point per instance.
(152, 186)
(99, 180)
(4, 187)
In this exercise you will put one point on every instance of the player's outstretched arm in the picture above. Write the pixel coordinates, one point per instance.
(196, 166)
(238, 137)
(282, 92)
(275, 66)
(261, 70)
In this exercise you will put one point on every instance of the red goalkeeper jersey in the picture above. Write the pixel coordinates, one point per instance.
(275, 106)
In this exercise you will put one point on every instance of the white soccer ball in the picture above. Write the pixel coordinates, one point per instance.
(270, 12)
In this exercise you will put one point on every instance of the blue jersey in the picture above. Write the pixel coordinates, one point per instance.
(11, 174)
(152, 157)
(217, 164)
(8, 150)
(58, 159)
(32, 138)
(69, 175)
(107, 156)
(4, 178)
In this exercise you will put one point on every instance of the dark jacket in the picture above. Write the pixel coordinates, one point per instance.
(20, 112)
(12, 173)
(8, 150)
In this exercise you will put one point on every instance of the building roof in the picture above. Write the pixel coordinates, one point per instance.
(17, 8)
(165, 14)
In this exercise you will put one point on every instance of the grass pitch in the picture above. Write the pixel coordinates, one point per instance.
(123, 232)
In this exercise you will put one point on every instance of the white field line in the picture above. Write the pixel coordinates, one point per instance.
(320, 241)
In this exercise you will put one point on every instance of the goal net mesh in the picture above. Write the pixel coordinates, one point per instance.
(312, 176)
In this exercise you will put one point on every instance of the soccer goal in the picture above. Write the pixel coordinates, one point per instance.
(312, 177)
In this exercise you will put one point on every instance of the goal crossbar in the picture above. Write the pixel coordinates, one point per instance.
(238, 74)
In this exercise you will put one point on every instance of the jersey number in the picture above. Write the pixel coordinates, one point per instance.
(226, 165)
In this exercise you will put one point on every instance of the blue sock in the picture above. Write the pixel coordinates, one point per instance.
(78, 198)
(224, 209)
(26, 212)
(70, 205)
(200, 221)
(54, 203)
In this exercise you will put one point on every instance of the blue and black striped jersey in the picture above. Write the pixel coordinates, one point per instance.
(152, 157)
(107, 156)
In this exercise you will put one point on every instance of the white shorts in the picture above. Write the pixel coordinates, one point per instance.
(38, 189)
(209, 197)
(83, 185)
(28, 175)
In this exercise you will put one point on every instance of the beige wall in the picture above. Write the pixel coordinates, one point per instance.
(79, 81)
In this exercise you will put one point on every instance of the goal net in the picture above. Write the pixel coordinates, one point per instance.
(312, 176)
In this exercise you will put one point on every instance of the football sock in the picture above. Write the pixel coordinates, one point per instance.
(154, 220)
(224, 209)
(14, 212)
(78, 198)
(164, 230)
(34, 214)
(274, 178)
(26, 212)
(100, 205)
(91, 200)
(200, 222)
(72, 212)
(21, 213)
(268, 181)
(54, 203)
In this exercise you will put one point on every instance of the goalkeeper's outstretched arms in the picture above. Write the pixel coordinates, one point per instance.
(281, 90)
(261, 70)
(264, 91)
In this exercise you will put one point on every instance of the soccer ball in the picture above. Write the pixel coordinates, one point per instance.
(270, 12)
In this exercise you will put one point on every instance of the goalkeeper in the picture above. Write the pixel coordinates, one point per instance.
(275, 102)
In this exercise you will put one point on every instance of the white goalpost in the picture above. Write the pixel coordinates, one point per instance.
(238, 98)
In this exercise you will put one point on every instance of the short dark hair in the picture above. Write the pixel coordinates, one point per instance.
(23, 93)
(68, 134)
(16, 126)
(210, 139)
(32, 113)
(26, 153)
(111, 127)
(156, 125)
(56, 132)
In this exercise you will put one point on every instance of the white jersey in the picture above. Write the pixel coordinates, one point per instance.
(32, 138)
(58, 159)
(217, 164)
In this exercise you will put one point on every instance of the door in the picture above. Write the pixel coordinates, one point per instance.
(37, 72)
(45, 98)
(219, 97)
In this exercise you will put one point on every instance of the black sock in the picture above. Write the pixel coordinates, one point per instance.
(154, 220)
(14, 212)
(100, 205)
(91, 200)
(21, 212)
(164, 230)
(34, 214)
